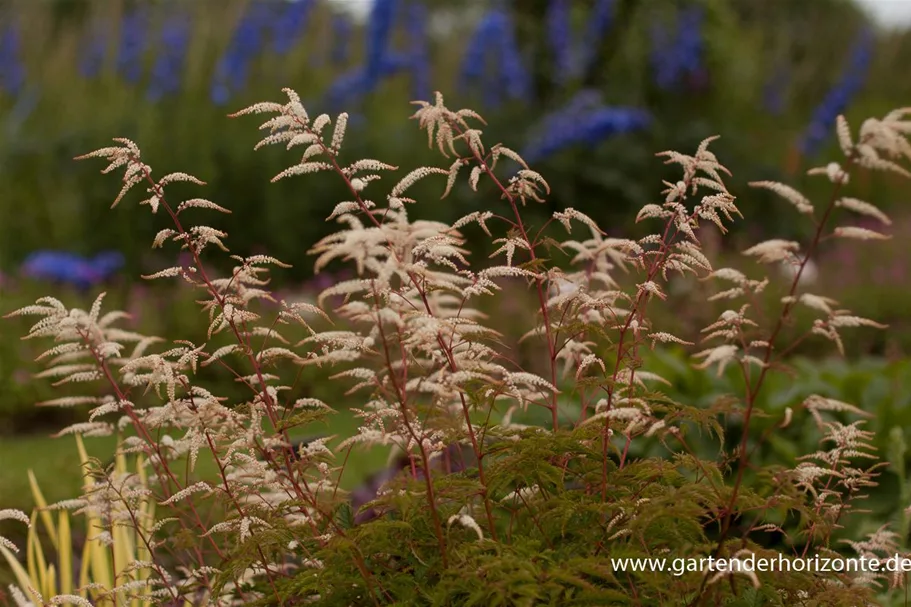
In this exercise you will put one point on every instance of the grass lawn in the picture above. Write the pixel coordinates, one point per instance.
(56, 464)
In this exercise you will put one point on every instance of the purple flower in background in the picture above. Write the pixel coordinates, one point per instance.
(356, 83)
(416, 23)
(346, 88)
(12, 72)
(583, 120)
(289, 24)
(774, 91)
(679, 55)
(341, 37)
(379, 29)
(232, 69)
(573, 60)
(559, 36)
(95, 50)
(838, 98)
(494, 37)
(172, 50)
(598, 24)
(71, 269)
(380, 61)
(133, 44)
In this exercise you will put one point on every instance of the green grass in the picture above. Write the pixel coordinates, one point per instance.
(56, 465)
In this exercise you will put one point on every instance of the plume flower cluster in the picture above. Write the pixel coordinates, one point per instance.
(478, 483)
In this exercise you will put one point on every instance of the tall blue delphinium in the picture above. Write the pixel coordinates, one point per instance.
(378, 31)
(494, 39)
(679, 54)
(774, 92)
(380, 59)
(513, 73)
(419, 50)
(559, 37)
(582, 120)
(12, 72)
(573, 58)
(167, 71)
(71, 269)
(838, 98)
(356, 83)
(247, 42)
(341, 39)
(289, 24)
(94, 51)
(134, 36)
(598, 23)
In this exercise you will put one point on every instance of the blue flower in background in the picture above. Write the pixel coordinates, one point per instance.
(598, 24)
(381, 61)
(379, 28)
(559, 36)
(675, 57)
(72, 269)
(840, 95)
(289, 24)
(341, 37)
(355, 83)
(95, 50)
(774, 91)
(167, 70)
(583, 120)
(494, 37)
(420, 50)
(133, 44)
(247, 42)
(573, 60)
(12, 72)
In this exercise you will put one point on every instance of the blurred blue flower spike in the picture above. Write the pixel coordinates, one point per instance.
(290, 24)
(678, 55)
(233, 67)
(494, 38)
(167, 71)
(12, 72)
(774, 92)
(379, 29)
(134, 41)
(598, 24)
(341, 40)
(573, 60)
(419, 51)
(583, 120)
(380, 60)
(559, 36)
(95, 50)
(838, 98)
(70, 269)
